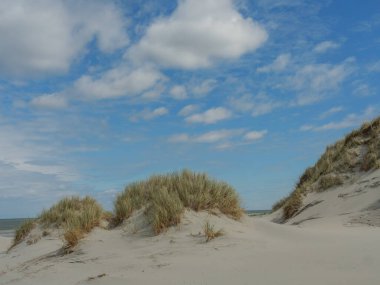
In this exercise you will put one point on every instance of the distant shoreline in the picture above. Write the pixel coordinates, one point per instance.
(9, 226)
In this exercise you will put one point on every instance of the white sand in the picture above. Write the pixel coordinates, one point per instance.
(328, 250)
(351, 205)
(255, 251)
(4, 244)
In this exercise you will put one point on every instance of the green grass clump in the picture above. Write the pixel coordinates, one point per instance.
(166, 196)
(23, 231)
(77, 216)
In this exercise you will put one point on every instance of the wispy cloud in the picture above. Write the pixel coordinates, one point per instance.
(50, 101)
(279, 64)
(188, 109)
(313, 81)
(351, 120)
(211, 116)
(255, 105)
(325, 46)
(222, 139)
(178, 92)
(148, 114)
(331, 112)
(205, 87)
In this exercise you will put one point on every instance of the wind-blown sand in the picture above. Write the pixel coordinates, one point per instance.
(254, 251)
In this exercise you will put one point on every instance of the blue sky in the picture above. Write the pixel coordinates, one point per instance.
(97, 94)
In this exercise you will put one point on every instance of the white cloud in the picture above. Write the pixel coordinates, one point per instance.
(117, 82)
(44, 37)
(351, 120)
(23, 152)
(363, 90)
(222, 139)
(374, 67)
(313, 81)
(197, 34)
(148, 114)
(330, 112)
(216, 136)
(325, 46)
(50, 101)
(187, 110)
(178, 92)
(256, 105)
(210, 116)
(205, 87)
(255, 135)
(279, 64)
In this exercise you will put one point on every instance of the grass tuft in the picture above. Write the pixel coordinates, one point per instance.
(77, 216)
(329, 180)
(166, 196)
(23, 231)
(210, 233)
(292, 205)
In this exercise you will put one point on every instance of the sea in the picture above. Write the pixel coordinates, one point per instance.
(9, 226)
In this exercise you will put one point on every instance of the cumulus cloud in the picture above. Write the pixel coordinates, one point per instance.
(197, 34)
(117, 82)
(178, 92)
(50, 101)
(187, 110)
(351, 120)
(44, 37)
(325, 46)
(279, 64)
(210, 116)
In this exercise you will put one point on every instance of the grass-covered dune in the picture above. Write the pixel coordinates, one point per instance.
(358, 152)
(163, 198)
(74, 215)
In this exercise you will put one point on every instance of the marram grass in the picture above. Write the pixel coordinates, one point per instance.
(166, 196)
(338, 158)
(77, 216)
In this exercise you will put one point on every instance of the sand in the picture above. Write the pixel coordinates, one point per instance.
(331, 249)
(4, 244)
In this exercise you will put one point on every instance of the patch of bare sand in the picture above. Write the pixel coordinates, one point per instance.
(252, 251)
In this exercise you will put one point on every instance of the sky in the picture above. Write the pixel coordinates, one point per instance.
(97, 94)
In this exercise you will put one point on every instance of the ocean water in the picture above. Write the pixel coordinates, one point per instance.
(8, 226)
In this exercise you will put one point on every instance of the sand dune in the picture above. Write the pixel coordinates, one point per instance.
(351, 204)
(254, 251)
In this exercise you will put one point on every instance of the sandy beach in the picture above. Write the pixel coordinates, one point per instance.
(253, 250)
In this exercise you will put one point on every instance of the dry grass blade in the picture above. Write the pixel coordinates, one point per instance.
(210, 233)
